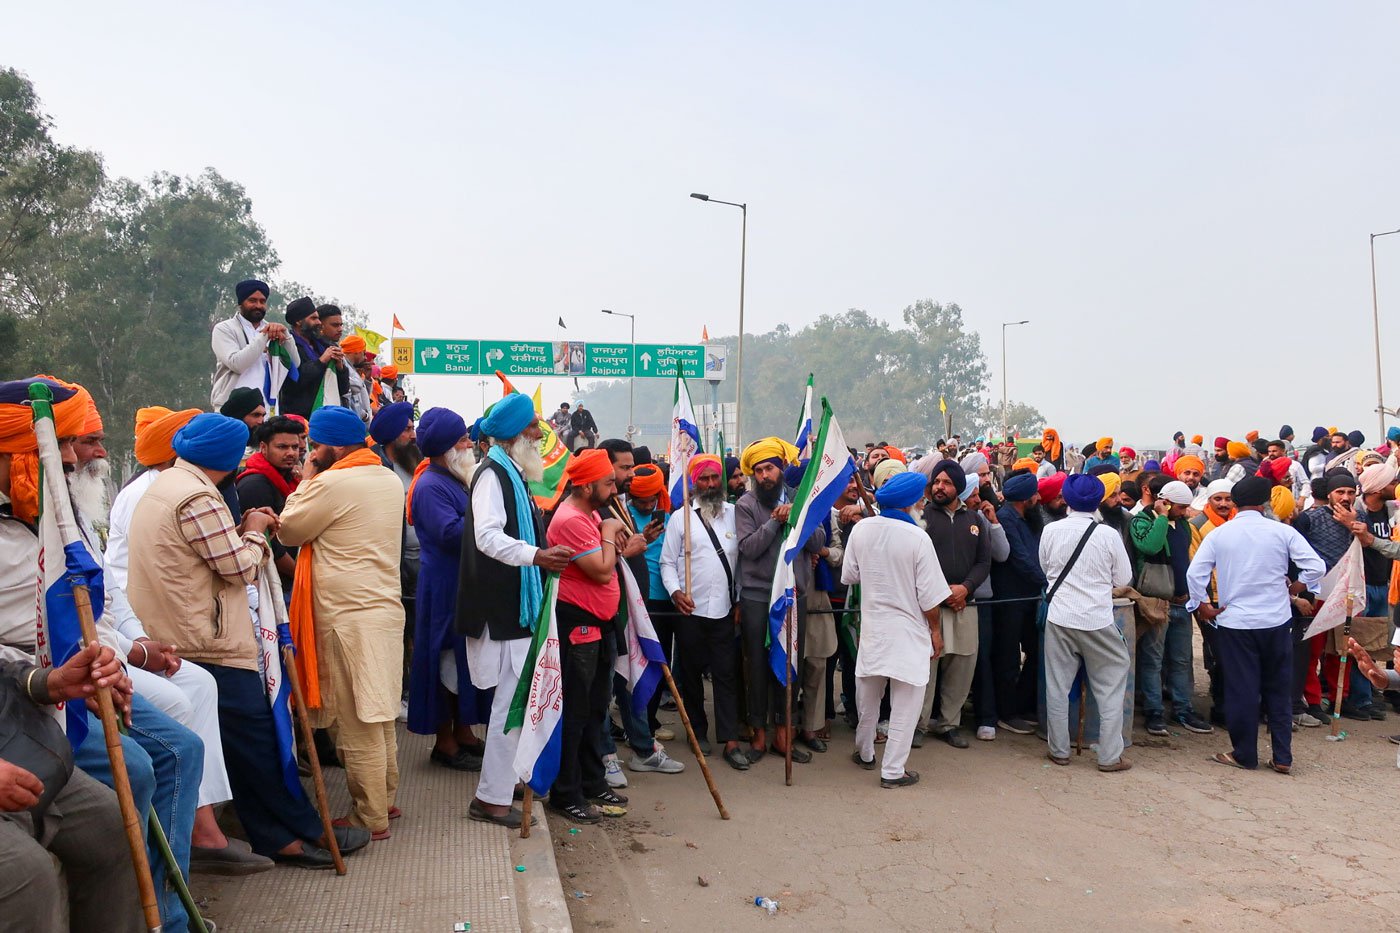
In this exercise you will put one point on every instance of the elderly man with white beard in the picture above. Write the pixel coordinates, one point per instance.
(501, 587)
(442, 700)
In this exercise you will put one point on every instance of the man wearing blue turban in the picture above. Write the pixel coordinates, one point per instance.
(901, 589)
(346, 617)
(250, 352)
(501, 587)
(436, 507)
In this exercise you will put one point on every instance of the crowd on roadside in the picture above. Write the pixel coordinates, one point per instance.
(405, 556)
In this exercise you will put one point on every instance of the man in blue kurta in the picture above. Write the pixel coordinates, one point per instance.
(441, 698)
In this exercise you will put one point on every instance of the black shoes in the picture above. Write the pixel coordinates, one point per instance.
(1157, 724)
(737, 759)
(867, 765)
(1192, 722)
(954, 738)
(910, 778)
(462, 761)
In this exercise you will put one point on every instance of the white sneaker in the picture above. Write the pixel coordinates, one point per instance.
(659, 761)
(612, 772)
(987, 733)
(403, 711)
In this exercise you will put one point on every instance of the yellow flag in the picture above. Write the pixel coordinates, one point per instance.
(942, 405)
(539, 398)
(372, 340)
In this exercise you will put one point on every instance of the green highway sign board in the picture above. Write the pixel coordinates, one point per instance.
(565, 358)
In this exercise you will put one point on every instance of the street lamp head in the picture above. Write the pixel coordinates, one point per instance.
(606, 311)
(700, 197)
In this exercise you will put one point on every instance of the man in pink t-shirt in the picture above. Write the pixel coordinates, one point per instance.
(588, 603)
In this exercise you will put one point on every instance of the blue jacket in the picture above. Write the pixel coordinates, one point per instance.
(1020, 573)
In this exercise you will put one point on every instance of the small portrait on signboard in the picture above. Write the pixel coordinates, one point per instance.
(569, 358)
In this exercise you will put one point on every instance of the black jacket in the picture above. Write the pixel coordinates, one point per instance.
(582, 420)
(298, 395)
(960, 544)
(488, 591)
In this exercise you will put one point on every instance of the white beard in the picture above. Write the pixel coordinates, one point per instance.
(87, 486)
(711, 505)
(461, 464)
(525, 454)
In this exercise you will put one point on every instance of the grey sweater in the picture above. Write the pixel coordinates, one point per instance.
(760, 539)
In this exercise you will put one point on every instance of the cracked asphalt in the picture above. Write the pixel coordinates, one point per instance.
(994, 837)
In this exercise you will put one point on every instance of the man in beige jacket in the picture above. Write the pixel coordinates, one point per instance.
(346, 591)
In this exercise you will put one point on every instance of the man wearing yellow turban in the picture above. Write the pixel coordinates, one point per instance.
(1103, 455)
(760, 519)
(1242, 461)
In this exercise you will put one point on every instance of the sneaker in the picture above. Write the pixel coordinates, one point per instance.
(665, 734)
(986, 733)
(612, 772)
(1308, 721)
(1017, 725)
(1157, 724)
(1192, 722)
(659, 761)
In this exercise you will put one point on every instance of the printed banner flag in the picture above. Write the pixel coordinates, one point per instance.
(826, 477)
(556, 456)
(538, 707)
(804, 426)
(642, 664)
(685, 441)
(1348, 576)
(64, 562)
(274, 633)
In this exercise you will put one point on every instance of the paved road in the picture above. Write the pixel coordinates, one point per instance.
(996, 838)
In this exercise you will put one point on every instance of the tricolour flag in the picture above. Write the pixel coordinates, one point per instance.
(804, 425)
(642, 663)
(276, 369)
(685, 441)
(329, 391)
(538, 707)
(828, 472)
(1346, 576)
(274, 633)
(64, 562)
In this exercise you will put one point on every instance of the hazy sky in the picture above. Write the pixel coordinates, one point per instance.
(1178, 196)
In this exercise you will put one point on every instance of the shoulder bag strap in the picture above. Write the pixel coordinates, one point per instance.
(1078, 549)
(723, 561)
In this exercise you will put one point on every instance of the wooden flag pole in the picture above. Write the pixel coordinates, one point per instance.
(787, 676)
(694, 742)
(1079, 739)
(525, 803)
(131, 820)
(1337, 734)
(289, 668)
(685, 504)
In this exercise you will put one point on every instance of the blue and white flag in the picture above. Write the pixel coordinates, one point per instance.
(642, 663)
(827, 475)
(685, 442)
(537, 709)
(64, 562)
(274, 633)
(804, 426)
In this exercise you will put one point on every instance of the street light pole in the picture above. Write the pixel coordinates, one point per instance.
(632, 379)
(1005, 428)
(1376, 323)
(739, 365)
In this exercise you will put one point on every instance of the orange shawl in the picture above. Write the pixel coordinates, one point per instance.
(1215, 520)
(408, 499)
(302, 615)
(1394, 595)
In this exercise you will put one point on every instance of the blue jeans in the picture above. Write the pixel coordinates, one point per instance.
(165, 762)
(1166, 646)
(637, 728)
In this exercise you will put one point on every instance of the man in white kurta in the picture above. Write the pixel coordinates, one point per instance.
(901, 586)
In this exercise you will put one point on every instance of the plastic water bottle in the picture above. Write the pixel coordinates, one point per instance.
(767, 903)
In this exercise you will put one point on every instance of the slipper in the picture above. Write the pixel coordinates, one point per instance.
(754, 754)
(824, 733)
(1281, 769)
(1062, 762)
(395, 813)
(1226, 758)
(880, 739)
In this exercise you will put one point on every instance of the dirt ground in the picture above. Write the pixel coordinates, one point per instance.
(994, 837)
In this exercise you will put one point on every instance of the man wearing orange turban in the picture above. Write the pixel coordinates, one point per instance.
(588, 600)
(72, 410)
(1190, 469)
(357, 396)
(1054, 448)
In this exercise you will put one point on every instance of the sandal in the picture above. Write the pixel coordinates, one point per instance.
(1226, 758)
(1281, 769)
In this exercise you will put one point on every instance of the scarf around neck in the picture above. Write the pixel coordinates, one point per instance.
(302, 614)
(258, 465)
(531, 583)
